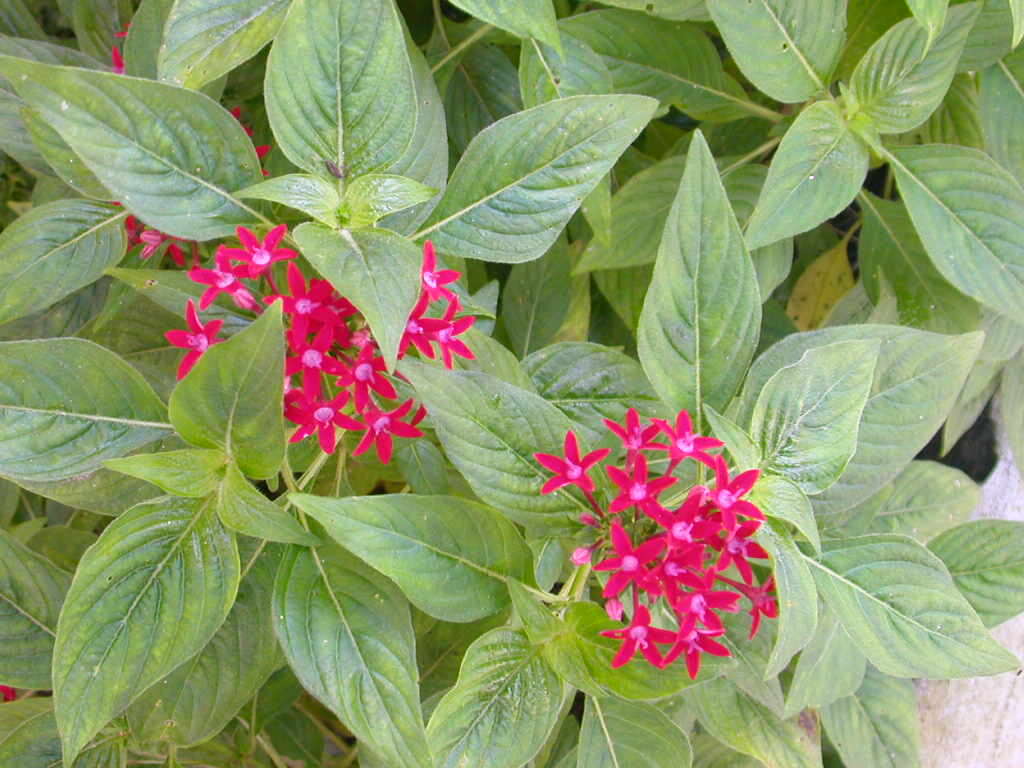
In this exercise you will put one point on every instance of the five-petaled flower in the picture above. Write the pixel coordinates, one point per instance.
(320, 416)
(684, 444)
(256, 256)
(628, 561)
(381, 425)
(573, 469)
(640, 636)
(196, 340)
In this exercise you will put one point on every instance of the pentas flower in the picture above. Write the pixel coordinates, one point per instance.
(682, 562)
(381, 425)
(321, 416)
(116, 61)
(307, 307)
(152, 240)
(366, 374)
(222, 280)
(311, 360)
(446, 335)
(8, 694)
(256, 256)
(434, 279)
(197, 339)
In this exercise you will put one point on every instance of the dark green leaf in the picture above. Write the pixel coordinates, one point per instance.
(534, 300)
(347, 635)
(61, 158)
(423, 466)
(451, 557)
(521, 179)
(483, 89)
(61, 545)
(378, 271)
(192, 473)
(67, 405)
(17, 20)
(620, 734)
(147, 596)
(244, 509)
(899, 604)
(28, 734)
(986, 561)
(171, 289)
(958, 118)
(95, 23)
(231, 400)
(680, 10)
(145, 36)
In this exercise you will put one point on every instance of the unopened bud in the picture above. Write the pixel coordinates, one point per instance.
(614, 609)
(581, 555)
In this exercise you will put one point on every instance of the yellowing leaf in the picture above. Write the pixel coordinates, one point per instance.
(822, 284)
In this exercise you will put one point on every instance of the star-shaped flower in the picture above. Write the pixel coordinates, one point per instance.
(640, 636)
(196, 340)
(628, 562)
(571, 470)
(684, 444)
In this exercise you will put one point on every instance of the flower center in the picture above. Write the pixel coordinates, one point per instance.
(573, 472)
(681, 531)
(311, 358)
(630, 563)
(634, 443)
(685, 444)
(725, 499)
(199, 342)
(323, 414)
(303, 306)
(735, 546)
(698, 604)
(364, 372)
(224, 279)
(430, 279)
(414, 327)
(444, 335)
(672, 570)
(381, 424)
(638, 492)
(639, 634)
(261, 257)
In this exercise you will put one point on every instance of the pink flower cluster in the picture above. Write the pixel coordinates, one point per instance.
(335, 376)
(682, 553)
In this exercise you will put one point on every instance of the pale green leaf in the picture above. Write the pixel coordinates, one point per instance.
(544, 75)
(782, 499)
(371, 197)
(523, 18)
(930, 14)
(302, 191)
(620, 734)
(483, 89)
(242, 508)
(1001, 97)
(191, 473)
(830, 667)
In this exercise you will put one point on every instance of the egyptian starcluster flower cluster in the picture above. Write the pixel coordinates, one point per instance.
(683, 553)
(335, 375)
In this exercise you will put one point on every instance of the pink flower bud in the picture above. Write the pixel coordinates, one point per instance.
(588, 519)
(614, 609)
(581, 555)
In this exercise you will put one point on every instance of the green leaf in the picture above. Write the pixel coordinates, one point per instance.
(899, 604)
(984, 558)
(782, 499)
(196, 701)
(878, 725)
(54, 250)
(192, 473)
(31, 593)
(930, 14)
(346, 632)
(830, 667)
(60, 157)
(1011, 396)
(679, 10)
(751, 655)
(590, 383)
(371, 197)
(797, 596)
(787, 48)
(171, 289)
(379, 272)
(28, 734)
(751, 728)
(891, 250)
(1017, 11)
(991, 37)
(523, 18)
(533, 302)
(522, 178)
(67, 405)
(451, 557)
(961, 202)
(806, 417)
(244, 509)
(916, 382)
(301, 191)
(1001, 98)
(621, 734)
(958, 118)
(156, 167)
(17, 20)
(231, 400)
(490, 431)
(146, 597)
(145, 36)
(923, 500)
(683, 69)
(493, 358)
(901, 79)
(340, 86)
(204, 40)
(95, 23)
(981, 384)
(701, 315)
(545, 76)
(482, 89)
(816, 172)
(737, 442)
(503, 707)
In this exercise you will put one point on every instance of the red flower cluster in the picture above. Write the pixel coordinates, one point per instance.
(682, 552)
(7, 693)
(335, 375)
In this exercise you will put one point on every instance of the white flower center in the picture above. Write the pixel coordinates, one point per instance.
(638, 492)
(199, 342)
(681, 531)
(725, 499)
(364, 372)
(381, 424)
(311, 358)
(323, 414)
(261, 257)
(304, 306)
(224, 279)
(685, 444)
(630, 563)
(573, 472)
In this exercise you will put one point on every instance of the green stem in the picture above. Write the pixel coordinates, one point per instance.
(458, 49)
(765, 148)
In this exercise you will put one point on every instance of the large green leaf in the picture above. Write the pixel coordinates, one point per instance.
(191, 473)
(54, 250)
(483, 88)
(17, 20)
(61, 158)
(787, 48)
(95, 23)
(963, 206)
(830, 667)
(1001, 98)
(545, 75)
(503, 707)
(590, 383)
(523, 18)
(196, 701)
(775, 495)
(146, 597)
(377, 270)
(901, 80)
(878, 725)
(490, 431)
(204, 40)
(621, 734)
(867, 20)
(930, 14)
(533, 304)
(751, 728)
(958, 118)
(917, 380)
(158, 168)
(145, 36)
(816, 172)
(66, 405)
(31, 593)
(451, 557)
(346, 632)
(28, 733)
(701, 316)
(1011, 396)
(806, 418)
(244, 509)
(521, 179)
(231, 400)
(991, 37)
(890, 251)
(340, 86)
(680, 10)
(900, 605)
(986, 560)
(171, 289)
(683, 69)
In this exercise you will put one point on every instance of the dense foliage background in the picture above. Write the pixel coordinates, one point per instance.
(294, 292)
